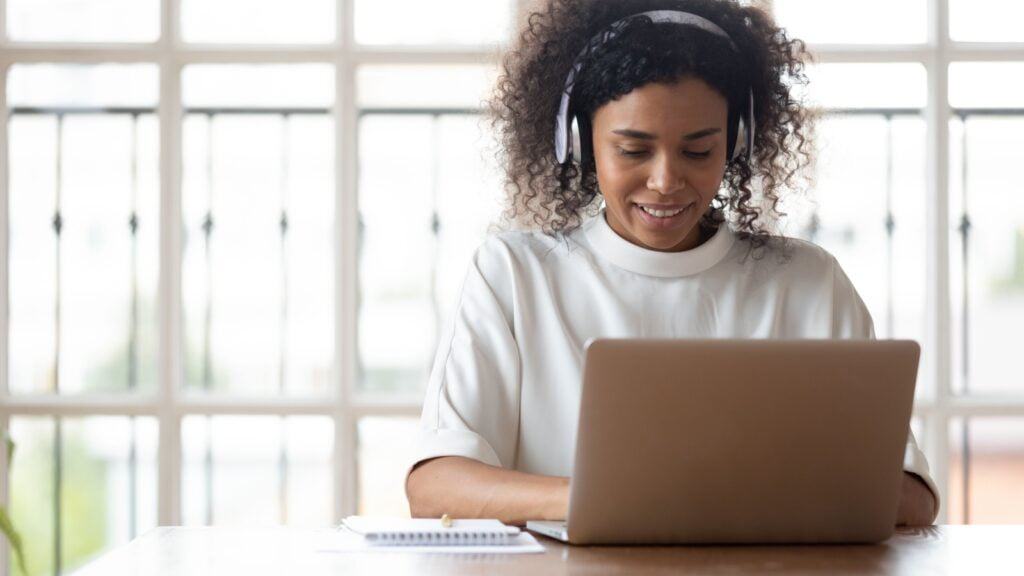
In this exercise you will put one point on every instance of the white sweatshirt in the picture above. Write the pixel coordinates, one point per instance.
(506, 381)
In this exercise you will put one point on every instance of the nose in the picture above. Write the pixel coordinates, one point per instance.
(667, 175)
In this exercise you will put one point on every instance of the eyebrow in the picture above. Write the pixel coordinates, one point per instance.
(647, 136)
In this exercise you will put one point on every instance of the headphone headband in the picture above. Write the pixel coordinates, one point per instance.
(562, 142)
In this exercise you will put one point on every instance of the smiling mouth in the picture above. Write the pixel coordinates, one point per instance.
(663, 211)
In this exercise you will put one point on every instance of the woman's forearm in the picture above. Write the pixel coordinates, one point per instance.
(465, 488)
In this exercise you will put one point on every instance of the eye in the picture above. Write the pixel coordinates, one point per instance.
(625, 152)
(699, 155)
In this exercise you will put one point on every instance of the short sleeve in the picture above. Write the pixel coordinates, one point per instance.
(851, 319)
(471, 406)
(850, 316)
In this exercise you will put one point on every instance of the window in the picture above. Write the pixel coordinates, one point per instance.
(211, 318)
(914, 198)
(869, 190)
(859, 23)
(257, 209)
(420, 143)
(208, 305)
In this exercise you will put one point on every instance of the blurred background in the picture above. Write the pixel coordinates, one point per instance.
(230, 231)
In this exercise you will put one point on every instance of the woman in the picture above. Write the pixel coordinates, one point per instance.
(688, 132)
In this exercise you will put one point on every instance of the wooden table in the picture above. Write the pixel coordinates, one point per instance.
(224, 551)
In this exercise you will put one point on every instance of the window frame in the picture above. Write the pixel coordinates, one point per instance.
(169, 404)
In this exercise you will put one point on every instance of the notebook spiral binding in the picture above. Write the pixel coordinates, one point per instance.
(444, 538)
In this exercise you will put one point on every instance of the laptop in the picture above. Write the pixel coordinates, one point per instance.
(739, 442)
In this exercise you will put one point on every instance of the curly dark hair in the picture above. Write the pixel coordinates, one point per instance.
(523, 107)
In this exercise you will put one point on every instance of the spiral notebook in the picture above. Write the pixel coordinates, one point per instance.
(429, 531)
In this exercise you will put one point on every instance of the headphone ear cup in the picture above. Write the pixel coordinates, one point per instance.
(574, 137)
(740, 146)
(745, 131)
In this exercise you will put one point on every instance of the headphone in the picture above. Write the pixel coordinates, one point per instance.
(567, 133)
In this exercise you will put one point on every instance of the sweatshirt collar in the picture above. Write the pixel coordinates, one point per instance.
(607, 243)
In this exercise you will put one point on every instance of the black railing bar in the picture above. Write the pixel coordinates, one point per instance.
(432, 111)
(58, 457)
(965, 317)
(133, 329)
(889, 229)
(965, 224)
(282, 462)
(133, 230)
(435, 225)
(57, 227)
(961, 112)
(283, 230)
(872, 111)
(208, 319)
(887, 111)
(145, 110)
(76, 110)
(207, 376)
(965, 112)
(455, 111)
(238, 110)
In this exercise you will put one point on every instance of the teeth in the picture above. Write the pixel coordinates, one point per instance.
(661, 213)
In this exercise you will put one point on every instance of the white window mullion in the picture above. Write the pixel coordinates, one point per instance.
(360, 408)
(170, 359)
(69, 406)
(937, 249)
(5, 424)
(841, 53)
(222, 405)
(346, 234)
(4, 261)
(29, 53)
(217, 54)
(985, 52)
(974, 406)
(4, 288)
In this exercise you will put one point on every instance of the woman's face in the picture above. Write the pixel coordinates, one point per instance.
(661, 147)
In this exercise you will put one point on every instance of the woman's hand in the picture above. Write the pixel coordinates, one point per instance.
(917, 503)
